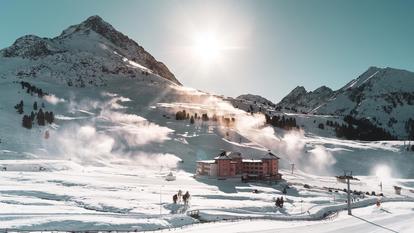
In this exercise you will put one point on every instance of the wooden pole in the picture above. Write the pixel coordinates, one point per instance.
(349, 196)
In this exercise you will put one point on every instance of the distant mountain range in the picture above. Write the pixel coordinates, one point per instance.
(384, 96)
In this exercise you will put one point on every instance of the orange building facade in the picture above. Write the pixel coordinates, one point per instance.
(232, 164)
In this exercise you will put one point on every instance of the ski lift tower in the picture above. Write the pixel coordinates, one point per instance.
(348, 176)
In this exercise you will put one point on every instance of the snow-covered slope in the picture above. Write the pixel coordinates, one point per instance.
(82, 55)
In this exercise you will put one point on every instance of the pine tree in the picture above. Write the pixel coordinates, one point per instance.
(52, 117)
(49, 117)
(32, 116)
(19, 107)
(40, 93)
(40, 117)
(35, 106)
(27, 122)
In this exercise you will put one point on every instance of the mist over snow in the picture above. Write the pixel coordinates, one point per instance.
(320, 159)
(107, 134)
(53, 99)
(291, 146)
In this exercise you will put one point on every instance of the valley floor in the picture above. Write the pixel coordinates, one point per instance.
(65, 196)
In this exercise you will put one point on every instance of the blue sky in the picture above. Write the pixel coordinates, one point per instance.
(275, 45)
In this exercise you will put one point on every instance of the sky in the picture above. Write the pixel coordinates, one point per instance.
(247, 46)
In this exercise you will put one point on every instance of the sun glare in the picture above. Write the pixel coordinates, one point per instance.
(207, 47)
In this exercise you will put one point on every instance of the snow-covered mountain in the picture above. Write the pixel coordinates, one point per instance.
(301, 100)
(385, 96)
(83, 54)
(255, 98)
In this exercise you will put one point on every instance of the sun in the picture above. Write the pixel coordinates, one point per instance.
(207, 47)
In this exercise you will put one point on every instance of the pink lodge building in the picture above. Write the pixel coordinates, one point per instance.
(232, 164)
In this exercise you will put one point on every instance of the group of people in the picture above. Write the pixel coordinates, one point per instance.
(279, 202)
(179, 197)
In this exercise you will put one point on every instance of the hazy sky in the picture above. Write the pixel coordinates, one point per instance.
(266, 47)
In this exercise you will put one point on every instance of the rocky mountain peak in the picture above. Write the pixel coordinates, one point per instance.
(124, 45)
(255, 98)
(301, 100)
(323, 90)
(93, 47)
(295, 93)
(95, 22)
(299, 89)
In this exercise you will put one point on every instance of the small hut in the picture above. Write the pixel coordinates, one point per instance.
(170, 177)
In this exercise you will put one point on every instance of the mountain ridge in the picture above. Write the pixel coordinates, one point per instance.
(385, 96)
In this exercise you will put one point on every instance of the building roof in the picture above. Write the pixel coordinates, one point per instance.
(234, 155)
(223, 155)
(270, 155)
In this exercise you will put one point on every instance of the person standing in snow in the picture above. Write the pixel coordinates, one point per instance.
(175, 198)
(378, 203)
(186, 198)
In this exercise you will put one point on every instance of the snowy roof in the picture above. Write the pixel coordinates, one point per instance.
(206, 161)
(270, 155)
